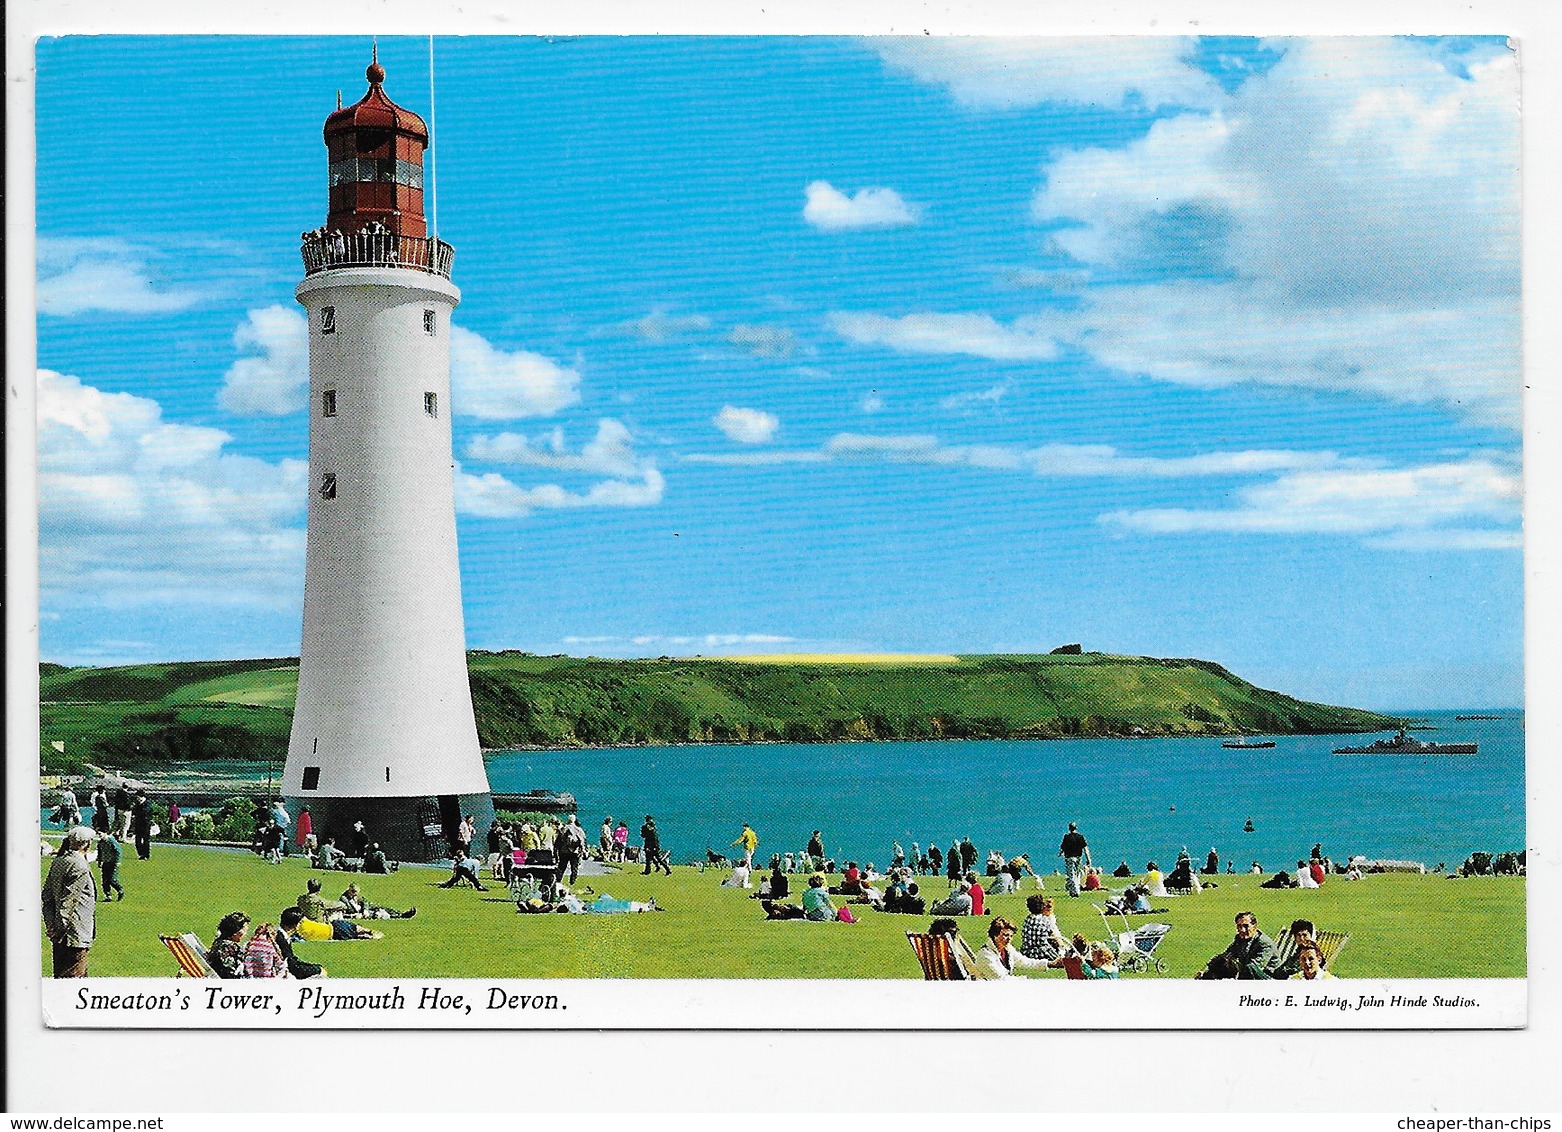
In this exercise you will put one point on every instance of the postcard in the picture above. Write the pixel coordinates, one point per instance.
(730, 532)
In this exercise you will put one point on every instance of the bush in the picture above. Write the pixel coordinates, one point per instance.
(235, 821)
(196, 827)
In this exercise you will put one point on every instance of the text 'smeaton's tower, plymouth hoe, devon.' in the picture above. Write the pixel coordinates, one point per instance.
(383, 731)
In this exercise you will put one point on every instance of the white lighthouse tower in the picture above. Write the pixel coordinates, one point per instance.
(383, 730)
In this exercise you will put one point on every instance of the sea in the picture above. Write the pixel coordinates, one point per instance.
(1135, 800)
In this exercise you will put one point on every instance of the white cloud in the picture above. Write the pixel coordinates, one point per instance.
(496, 385)
(747, 426)
(610, 452)
(978, 335)
(78, 276)
(274, 380)
(1358, 207)
(1412, 508)
(710, 640)
(763, 341)
(635, 481)
(660, 326)
(989, 396)
(871, 402)
(831, 210)
(491, 496)
(1050, 460)
(133, 509)
(1111, 71)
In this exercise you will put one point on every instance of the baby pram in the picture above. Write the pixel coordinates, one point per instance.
(1135, 946)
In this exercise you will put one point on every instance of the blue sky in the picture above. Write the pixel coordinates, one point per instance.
(1176, 347)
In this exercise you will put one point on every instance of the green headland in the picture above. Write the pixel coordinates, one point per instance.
(141, 717)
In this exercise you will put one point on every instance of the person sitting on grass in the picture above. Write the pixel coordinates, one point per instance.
(779, 886)
(1253, 951)
(998, 960)
(1305, 877)
(816, 900)
(354, 907)
(1303, 932)
(1309, 957)
(1221, 966)
(739, 877)
(1039, 935)
(851, 881)
(957, 903)
(314, 905)
(328, 856)
(978, 896)
(287, 926)
(1154, 879)
(904, 897)
(1100, 963)
(1122, 872)
(226, 955)
(374, 860)
(1092, 879)
(1281, 879)
(1182, 878)
(463, 870)
(262, 958)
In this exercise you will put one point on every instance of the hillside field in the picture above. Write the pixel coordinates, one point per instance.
(142, 717)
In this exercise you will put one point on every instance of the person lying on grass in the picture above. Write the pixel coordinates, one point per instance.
(313, 931)
(355, 907)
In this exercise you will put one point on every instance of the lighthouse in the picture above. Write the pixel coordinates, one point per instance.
(383, 728)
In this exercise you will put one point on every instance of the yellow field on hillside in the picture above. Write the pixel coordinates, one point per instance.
(844, 658)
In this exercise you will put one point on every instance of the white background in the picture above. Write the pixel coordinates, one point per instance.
(142, 1071)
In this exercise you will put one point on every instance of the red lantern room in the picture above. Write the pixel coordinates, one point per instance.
(376, 164)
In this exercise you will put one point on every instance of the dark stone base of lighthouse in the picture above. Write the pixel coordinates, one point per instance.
(418, 829)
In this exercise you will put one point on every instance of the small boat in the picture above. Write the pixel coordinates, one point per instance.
(1244, 745)
(537, 801)
(1402, 744)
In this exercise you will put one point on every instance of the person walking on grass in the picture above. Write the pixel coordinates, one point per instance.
(568, 848)
(70, 899)
(141, 827)
(651, 848)
(108, 864)
(1074, 849)
(750, 841)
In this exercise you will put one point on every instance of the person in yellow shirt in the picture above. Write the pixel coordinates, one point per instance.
(313, 931)
(750, 841)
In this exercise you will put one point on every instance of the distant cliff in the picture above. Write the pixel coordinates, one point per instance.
(141, 716)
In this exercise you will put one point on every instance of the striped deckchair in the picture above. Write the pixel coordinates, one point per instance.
(1330, 943)
(189, 954)
(939, 961)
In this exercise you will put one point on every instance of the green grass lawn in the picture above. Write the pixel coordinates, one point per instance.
(1400, 925)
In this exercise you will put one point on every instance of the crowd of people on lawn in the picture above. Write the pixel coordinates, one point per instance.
(539, 861)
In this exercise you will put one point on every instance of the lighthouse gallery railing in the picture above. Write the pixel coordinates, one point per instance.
(323, 250)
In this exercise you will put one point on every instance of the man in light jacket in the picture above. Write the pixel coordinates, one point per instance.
(70, 901)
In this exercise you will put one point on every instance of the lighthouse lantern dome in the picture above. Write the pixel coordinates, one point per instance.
(375, 152)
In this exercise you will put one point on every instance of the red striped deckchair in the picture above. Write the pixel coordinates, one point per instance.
(190, 955)
(939, 961)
